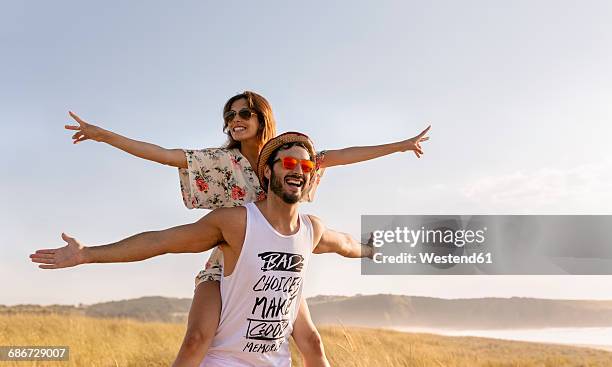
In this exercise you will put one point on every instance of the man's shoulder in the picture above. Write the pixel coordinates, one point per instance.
(314, 219)
(229, 213)
(318, 225)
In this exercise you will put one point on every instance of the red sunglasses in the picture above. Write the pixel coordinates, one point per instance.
(291, 162)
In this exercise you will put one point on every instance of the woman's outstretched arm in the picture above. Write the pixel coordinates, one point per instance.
(141, 149)
(359, 154)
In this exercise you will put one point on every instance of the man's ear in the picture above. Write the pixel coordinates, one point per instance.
(267, 172)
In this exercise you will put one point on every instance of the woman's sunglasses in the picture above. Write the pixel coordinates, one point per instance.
(291, 162)
(244, 113)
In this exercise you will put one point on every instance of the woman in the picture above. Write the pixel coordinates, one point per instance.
(223, 177)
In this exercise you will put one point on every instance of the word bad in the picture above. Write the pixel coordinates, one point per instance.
(281, 261)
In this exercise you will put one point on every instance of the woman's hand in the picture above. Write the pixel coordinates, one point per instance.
(141, 149)
(84, 130)
(415, 143)
(62, 257)
(352, 155)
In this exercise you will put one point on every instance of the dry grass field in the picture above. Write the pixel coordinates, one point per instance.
(114, 342)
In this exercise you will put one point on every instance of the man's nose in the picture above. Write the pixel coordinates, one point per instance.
(298, 169)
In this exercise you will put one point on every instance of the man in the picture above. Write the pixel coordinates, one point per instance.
(266, 248)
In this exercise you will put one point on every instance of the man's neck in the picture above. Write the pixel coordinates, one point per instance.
(282, 216)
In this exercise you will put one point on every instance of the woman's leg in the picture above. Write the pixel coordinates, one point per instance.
(307, 339)
(201, 324)
(204, 314)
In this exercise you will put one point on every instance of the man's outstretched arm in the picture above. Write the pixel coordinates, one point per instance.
(327, 240)
(195, 237)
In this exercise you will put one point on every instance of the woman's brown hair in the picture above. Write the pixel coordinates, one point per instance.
(261, 107)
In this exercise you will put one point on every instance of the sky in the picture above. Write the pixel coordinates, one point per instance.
(517, 93)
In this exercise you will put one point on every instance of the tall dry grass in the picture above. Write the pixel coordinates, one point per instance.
(94, 342)
(113, 342)
(356, 347)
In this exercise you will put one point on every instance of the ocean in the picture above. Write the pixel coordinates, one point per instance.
(600, 337)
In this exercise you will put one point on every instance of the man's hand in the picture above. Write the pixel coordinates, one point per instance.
(415, 143)
(368, 247)
(63, 257)
(85, 130)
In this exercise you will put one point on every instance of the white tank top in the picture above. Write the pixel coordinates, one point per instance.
(260, 299)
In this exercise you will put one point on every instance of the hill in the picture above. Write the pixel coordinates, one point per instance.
(382, 310)
(386, 310)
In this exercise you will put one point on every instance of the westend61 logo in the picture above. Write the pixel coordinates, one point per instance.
(488, 244)
(436, 236)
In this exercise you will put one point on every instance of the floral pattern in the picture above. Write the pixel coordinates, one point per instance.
(201, 184)
(213, 269)
(220, 177)
(216, 178)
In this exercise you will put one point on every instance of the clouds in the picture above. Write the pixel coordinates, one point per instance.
(580, 189)
(564, 191)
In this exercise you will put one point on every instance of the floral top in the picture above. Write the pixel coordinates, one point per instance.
(220, 177)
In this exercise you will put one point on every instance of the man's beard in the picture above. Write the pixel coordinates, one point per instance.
(276, 186)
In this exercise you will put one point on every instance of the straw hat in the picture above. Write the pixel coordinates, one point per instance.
(279, 141)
